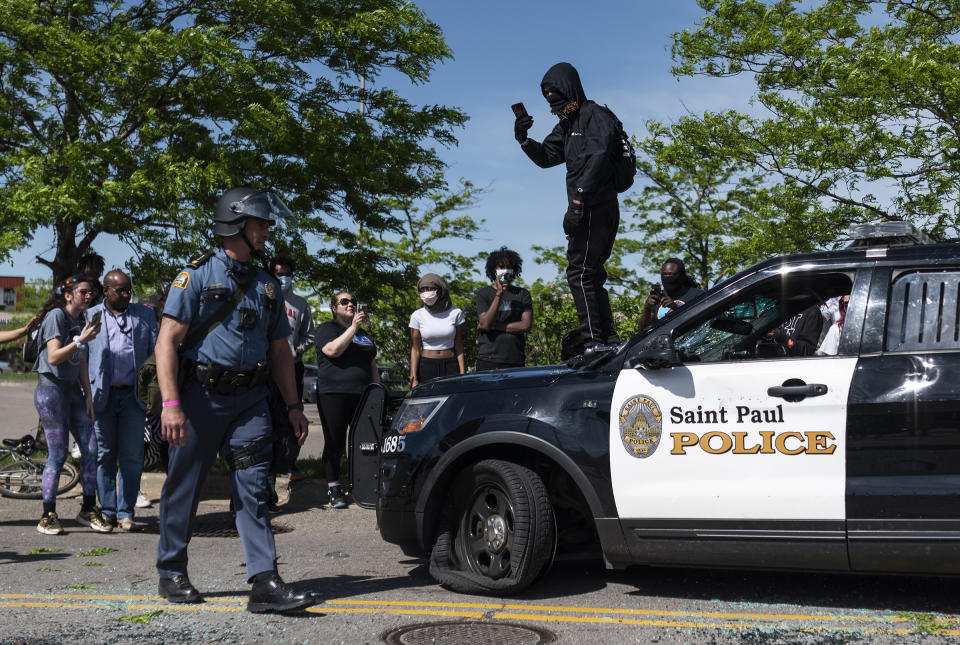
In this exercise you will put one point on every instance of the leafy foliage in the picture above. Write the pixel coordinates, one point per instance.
(859, 103)
(132, 118)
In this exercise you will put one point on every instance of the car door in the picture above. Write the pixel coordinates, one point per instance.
(363, 445)
(735, 454)
(903, 459)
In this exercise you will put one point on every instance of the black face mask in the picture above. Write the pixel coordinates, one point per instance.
(557, 102)
(673, 284)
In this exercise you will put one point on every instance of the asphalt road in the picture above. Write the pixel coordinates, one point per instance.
(56, 589)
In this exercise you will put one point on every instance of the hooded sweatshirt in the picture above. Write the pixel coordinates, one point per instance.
(587, 141)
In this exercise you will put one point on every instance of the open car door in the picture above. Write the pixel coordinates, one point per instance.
(363, 447)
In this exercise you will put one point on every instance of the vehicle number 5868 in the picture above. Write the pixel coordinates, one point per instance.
(393, 444)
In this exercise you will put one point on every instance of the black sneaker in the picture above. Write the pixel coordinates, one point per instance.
(337, 499)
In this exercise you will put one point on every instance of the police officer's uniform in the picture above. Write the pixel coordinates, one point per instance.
(224, 399)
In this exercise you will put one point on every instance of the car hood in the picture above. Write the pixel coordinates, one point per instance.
(512, 379)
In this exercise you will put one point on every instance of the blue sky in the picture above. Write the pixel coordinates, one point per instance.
(501, 51)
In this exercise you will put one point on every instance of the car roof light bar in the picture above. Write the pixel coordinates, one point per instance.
(887, 234)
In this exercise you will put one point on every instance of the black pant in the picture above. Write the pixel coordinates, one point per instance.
(484, 365)
(336, 412)
(431, 368)
(588, 248)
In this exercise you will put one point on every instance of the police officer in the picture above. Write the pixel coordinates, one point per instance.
(220, 403)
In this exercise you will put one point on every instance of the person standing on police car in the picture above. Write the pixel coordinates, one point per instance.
(587, 139)
(219, 404)
(678, 289)
(346, 364)
(300, 318)
(436, 335)
(504, 314)
(129, 334)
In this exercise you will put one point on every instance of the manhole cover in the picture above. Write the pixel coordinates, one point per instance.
(467, 632)
(227, 528)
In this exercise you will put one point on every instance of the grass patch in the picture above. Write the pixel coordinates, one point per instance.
(43, 549)
(94, 553)
(80, 585)
(924, 623)
(94, 564)
(141, 619)
(18, 376)
(46, 570)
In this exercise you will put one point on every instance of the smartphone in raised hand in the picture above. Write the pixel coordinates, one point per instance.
(518, 110)
(96, 318)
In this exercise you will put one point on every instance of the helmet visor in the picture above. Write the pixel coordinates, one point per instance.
(265, 205)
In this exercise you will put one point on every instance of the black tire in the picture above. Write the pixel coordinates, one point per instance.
(498, 531)
(22, 481)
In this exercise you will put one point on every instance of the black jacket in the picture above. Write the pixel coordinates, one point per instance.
(588, 141)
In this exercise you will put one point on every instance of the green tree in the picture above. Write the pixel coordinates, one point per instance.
(860, 104)
(131, 118)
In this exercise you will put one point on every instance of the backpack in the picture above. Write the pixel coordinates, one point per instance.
(625, 161)
(31, 348)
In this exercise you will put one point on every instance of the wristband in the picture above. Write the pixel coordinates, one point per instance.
(170, 404)
(295, 406)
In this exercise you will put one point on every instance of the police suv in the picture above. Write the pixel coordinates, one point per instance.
(697, 442)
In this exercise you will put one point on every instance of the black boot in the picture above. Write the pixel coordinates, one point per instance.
(271, 594)
(179, 589)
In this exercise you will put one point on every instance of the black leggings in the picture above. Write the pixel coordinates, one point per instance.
(336, 412)
(431, 368)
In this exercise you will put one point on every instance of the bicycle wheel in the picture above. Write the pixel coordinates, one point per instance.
(22, 479)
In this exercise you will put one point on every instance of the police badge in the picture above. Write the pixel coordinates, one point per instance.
(640, 426)
(270, 290)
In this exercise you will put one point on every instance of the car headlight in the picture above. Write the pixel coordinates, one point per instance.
(414, 414)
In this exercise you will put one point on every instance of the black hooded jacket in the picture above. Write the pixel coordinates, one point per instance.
(588, 141)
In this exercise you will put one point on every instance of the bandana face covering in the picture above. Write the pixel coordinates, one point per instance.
(429, 297)
(673, 284)
(286, 282)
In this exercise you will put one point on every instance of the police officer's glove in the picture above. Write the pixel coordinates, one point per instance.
(520, 127)
(572, 218)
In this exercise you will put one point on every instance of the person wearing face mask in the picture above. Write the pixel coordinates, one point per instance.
(436, 339)
(504, 314)
(587, 139)
(830, 345)
(346, 364)
(678, 290)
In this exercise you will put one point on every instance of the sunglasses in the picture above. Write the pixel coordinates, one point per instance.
(86, 292)
(348, 301)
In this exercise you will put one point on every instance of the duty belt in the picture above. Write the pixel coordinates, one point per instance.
(226, 381)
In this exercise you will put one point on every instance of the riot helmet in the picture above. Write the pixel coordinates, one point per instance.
(237, 204)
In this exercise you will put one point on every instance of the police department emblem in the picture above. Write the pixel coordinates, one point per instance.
(271, 290)
(640, 425)
(181, 281)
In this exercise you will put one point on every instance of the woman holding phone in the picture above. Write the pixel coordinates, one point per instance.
(63, 399)
(346, 364)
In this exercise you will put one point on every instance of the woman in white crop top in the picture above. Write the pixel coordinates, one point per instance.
(436, 340)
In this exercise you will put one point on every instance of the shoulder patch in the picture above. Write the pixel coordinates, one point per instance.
(200, 260)
(181, 281)
(270, 289)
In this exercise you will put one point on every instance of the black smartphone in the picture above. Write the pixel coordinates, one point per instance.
(656, 290)
(96, 318)
(518, 110)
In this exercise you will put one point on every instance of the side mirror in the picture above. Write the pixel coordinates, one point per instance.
(732, 326)
(655, 353)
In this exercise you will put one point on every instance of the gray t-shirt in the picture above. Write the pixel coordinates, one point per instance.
(59, 324)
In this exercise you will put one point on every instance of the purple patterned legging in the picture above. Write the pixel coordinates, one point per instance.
(63, 412)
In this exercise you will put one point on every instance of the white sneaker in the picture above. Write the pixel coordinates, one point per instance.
(75, 451)
(142, 501)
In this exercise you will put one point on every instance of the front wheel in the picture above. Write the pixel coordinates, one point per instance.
(22, 479)
(498, 533)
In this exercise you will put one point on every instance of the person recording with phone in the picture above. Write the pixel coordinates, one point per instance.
(679, 287)
(346, 364)
(504, 314)
(587, 138)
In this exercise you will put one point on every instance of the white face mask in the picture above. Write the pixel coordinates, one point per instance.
(286, 282)
(428, 297)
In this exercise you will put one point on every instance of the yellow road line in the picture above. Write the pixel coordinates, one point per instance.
(185, 607)
(623, 610)
(324, 609)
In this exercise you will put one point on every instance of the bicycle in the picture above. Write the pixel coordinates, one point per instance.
(21, 478)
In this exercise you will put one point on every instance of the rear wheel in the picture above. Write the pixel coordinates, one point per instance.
(22, 479)
(499, 532)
